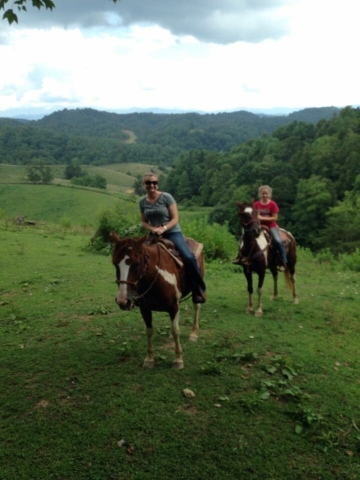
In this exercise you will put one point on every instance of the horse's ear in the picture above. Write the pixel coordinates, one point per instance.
(238, 204)
(115, 237)
(141, 240)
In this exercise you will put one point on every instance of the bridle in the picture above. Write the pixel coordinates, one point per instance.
(245, 225)
(143, 270)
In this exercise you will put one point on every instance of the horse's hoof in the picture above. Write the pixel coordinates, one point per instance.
(295, 301)
(249, 311)
(178, 365)
(148, 364)
(193, 337)
(258, 314)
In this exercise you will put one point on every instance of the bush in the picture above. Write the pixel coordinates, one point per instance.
(325, 256)
(94, 181)
(218, 242)
(351, 261)
(125, 224)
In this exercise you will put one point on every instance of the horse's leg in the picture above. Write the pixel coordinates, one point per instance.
(248, 275)
(291, 280)
(175, 330)
(195, 328)
(259, 311)
(275, 275)
(150, 357)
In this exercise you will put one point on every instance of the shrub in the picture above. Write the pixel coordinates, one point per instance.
(94, 181)
(218, 242)
(351, 260)
(325, 256)
(125, 224)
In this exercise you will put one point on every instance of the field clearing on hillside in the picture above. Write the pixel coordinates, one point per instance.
(131, 137)
(134, 169)
(12, 173)
(51, 203)
(119, 177)
(276, 397)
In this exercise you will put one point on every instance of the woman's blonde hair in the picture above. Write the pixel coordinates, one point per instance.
(149, 174)
(265, 187)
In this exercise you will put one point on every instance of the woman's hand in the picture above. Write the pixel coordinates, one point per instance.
(159, 229)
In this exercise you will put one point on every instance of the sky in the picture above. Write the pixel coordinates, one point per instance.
(181, 56)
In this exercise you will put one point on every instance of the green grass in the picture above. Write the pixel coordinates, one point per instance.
(119, 177)
(276, 397)
(52, 203)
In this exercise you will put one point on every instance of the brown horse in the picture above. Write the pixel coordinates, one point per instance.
(259, 253)
(152, 278)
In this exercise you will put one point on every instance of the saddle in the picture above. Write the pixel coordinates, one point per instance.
(195, 247)
(285, 236)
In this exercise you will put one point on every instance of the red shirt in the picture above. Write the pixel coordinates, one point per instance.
(267, 210)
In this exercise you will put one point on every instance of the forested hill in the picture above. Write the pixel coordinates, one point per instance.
(98, 137)
(314, 171)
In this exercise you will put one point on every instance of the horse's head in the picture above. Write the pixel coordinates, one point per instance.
(248, 219)
(128, 259)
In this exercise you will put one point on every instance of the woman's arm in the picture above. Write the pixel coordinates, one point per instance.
(146, 224)
(174, 216)
(273, 218)
(160, 229)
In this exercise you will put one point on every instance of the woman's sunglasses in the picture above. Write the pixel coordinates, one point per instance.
(148, 182)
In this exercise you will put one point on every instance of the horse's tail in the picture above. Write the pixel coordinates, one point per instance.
(288, 282)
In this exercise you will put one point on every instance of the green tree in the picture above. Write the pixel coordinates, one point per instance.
(93, 181)
(21, 5)
(138, 186)
(74, 169)
(314, 198)
(38, 172)
(342, 231)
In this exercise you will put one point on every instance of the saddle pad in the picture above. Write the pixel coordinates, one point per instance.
(285, 236)
(195, 247)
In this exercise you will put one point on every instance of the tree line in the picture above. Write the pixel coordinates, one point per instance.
(314, 171)
(313, 167)
(101, 138)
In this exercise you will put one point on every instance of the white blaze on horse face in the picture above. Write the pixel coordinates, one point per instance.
(171, 278)
(262, 242)
(124, 272)
(248, 210)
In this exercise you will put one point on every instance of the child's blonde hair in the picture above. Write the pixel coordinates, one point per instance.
(265, 187)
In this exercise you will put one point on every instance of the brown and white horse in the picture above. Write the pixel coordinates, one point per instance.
(259, 253)
(149, 277)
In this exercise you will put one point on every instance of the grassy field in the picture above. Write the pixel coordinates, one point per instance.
(119, 177)
(276, 397)
(61, 202)
(52, 203)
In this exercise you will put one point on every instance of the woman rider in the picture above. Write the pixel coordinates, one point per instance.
(159, 215)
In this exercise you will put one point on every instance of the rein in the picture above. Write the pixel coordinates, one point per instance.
(246, 224)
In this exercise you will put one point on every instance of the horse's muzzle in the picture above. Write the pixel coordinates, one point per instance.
(125, 305)
(255, 232)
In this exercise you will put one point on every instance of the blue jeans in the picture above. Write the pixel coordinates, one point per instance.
(275, 233)
(191, 266)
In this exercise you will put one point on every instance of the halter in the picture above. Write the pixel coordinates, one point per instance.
(143, 272)
(250, 222)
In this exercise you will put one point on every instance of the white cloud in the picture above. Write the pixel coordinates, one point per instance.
(148, 66)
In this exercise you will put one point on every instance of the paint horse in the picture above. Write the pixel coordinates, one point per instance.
(258, 253)
(151, 277)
